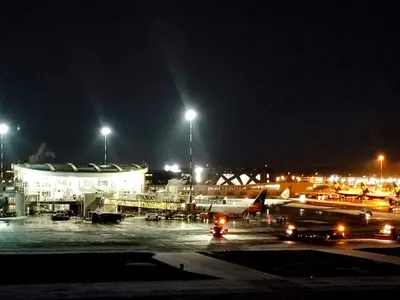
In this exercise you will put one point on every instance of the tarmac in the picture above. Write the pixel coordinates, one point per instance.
(183, 260)
(231, 281)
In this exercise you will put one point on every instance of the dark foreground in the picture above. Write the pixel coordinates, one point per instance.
(279, 274)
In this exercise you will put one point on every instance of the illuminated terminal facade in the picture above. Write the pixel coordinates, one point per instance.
(70, 182)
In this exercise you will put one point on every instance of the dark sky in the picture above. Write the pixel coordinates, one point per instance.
(288, 85)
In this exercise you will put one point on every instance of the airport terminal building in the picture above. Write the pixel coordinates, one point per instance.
(61, 183)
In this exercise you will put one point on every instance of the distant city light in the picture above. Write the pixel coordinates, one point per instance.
(173, 168)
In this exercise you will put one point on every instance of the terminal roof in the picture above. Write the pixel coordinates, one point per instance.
(87, 168)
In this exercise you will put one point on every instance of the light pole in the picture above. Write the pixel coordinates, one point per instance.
(105, 131)
(190, 115)
(3, 131)
(381, 158)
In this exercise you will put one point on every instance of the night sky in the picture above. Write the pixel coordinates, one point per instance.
(287, 85)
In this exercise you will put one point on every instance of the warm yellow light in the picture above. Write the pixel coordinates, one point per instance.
(291, 227)
(381, 157)
(388, 226)
(341, 228)
(222, 221)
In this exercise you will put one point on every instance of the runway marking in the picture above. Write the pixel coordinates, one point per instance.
(366, 255)
(248, 237)
(312, 221)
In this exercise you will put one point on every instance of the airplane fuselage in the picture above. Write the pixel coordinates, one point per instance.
(241, 206)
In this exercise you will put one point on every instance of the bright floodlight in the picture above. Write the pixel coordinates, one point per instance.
(105, 131)
(190, 115)
(381, 157)
(3, 129)
(198, 171)
(173, 168)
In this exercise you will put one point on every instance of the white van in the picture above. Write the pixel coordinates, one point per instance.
(152, 217)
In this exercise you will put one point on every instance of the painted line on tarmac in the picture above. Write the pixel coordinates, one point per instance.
(366, 255)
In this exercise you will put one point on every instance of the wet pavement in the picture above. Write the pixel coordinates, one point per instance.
(37, 233)
(307, 263)
(77, 259)
(90, 268)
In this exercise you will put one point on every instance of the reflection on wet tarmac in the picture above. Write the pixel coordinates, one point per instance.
(174, 235)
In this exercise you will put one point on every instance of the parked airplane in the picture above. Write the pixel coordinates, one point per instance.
(395, 193)
(359, 192)
(243, 205)
(364, 191)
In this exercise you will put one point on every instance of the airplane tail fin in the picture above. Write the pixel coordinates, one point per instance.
(396, 189)
(337, 186)
(364, 188)
(285, 194)
(260, 199)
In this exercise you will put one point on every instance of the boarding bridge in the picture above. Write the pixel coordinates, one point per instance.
(147, 204)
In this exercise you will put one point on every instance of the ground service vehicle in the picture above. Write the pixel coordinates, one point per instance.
(336, 233)
(152, 217)
(387, 232)
(60, 217)
(104, 217)
(219, 229)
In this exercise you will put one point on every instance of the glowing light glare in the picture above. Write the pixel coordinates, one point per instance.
(198, 171)
(381, 157)
(222, 221)
(105, 131)
(3, 128)
(387, 229)
(277, 178)
(173, 168)
(3, 225)
(341, 228)
(290, 229)
(190, 115)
